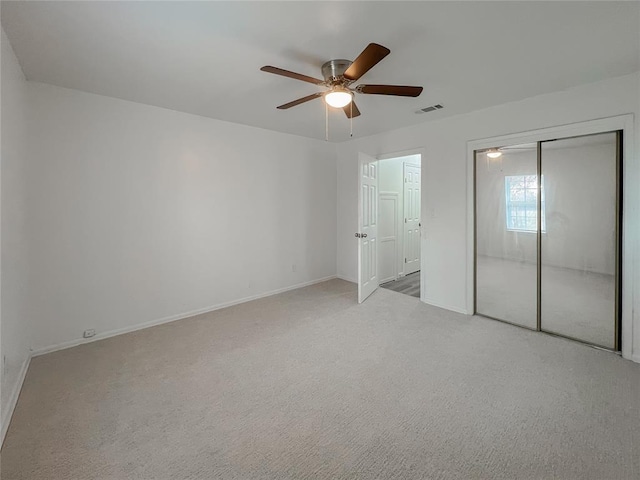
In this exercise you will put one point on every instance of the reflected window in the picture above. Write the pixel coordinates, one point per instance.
(522, 203)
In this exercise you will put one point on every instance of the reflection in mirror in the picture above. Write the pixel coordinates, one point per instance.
(506, 198)
(578, 250)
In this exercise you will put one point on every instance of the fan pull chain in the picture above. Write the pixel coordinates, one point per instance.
(351, 119)
(326, 122)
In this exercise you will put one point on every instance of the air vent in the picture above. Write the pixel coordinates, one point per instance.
(430, 109)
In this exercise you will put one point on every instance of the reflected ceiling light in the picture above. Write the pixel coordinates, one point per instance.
(338, 98)
(494, 153)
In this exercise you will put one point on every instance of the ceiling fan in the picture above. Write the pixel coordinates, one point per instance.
(338, 77)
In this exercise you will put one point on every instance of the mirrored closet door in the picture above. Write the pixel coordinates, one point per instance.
(579, 241)
(547, 236)
(506, 234)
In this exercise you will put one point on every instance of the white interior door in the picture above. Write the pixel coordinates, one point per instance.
(411, 218)
(368, 227)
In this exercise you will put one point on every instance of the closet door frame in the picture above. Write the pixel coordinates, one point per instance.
(628, 238)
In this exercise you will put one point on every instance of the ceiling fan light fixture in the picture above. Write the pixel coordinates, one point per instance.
(494, 153)
(338, 76)
(338, 98)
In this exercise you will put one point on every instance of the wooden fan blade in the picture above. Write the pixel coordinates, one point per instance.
(399, 90)
(351, 110)
(300, 100)
(294, 75)
(369, 57)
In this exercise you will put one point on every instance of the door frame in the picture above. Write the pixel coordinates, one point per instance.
(630, 211)
(406, 153)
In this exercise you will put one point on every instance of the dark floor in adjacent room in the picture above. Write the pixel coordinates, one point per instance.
(409, 285)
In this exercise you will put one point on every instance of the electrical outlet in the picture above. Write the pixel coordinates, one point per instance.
(89, 333)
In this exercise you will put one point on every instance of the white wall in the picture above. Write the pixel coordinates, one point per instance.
(14, 331)
(444, 178)
(139, 214)
(391, 215)
(580, 193)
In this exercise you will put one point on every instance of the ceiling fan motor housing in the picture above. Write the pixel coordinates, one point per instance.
(333, 70)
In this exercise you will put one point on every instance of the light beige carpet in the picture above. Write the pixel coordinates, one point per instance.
(310, 385)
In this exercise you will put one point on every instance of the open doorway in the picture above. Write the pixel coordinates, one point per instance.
(399, 224)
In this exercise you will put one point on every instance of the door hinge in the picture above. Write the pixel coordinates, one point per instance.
(405, 220)
(405, 259)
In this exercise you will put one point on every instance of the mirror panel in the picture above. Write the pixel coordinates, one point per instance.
(578, 248)
(506, 234)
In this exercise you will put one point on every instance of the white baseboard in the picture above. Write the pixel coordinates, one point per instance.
(346, 279)
(172, 318)
(446, 307)
(13, 399)
(635, 358)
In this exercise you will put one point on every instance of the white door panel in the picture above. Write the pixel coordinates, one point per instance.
(412, 218)
(368, 227)
(388, 237)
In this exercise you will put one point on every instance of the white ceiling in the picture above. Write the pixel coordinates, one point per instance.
(204, 57)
